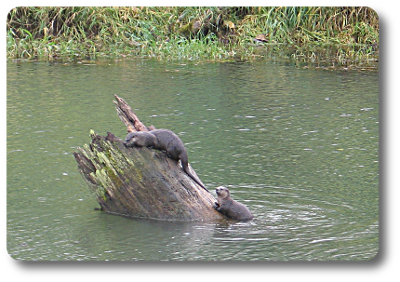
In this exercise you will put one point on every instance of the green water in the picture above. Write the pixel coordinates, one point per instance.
(298, 146)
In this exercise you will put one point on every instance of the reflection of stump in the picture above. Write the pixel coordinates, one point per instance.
(141, 182)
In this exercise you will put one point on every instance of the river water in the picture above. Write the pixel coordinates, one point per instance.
(298, 146)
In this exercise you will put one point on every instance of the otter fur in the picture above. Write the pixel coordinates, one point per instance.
(229, 207)
(162, 139)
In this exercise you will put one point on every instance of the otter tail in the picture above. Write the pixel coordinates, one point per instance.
(195, 180)
(185, 166)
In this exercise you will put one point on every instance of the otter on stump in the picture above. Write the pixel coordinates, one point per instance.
(162, 139)
(229, 207)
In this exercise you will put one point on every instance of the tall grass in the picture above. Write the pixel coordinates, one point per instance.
(93, 32)
(301, 25)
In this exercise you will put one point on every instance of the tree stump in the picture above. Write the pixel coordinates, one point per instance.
(141, 182)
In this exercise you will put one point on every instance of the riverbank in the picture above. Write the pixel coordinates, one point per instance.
(347, 36)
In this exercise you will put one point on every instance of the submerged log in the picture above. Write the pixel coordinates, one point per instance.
(141, 182)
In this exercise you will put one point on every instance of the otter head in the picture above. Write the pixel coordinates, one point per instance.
(222, 192)
(130, 139)
(139, 139)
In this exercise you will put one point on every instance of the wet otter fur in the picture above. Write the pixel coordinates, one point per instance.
(162, 139)
(229, 207)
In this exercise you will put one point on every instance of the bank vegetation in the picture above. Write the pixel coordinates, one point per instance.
(339, 34)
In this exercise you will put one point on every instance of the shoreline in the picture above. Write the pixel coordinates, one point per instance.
(344, 36)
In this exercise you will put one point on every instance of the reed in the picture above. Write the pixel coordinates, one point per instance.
(96, 32)
(301, 25)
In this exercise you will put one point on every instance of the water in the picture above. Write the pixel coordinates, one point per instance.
(298, 146)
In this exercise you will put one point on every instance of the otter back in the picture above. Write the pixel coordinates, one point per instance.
(170, 142)
(163, 139)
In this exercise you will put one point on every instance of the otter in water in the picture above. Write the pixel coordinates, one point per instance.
(162, 139)
(229, 207)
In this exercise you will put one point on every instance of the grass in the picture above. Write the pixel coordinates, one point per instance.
(168, 33)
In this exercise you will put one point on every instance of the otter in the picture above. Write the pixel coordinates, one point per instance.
(162, 139)
(229, 207)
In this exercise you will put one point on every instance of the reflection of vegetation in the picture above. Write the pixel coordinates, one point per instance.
(326, 56)
(191, 33)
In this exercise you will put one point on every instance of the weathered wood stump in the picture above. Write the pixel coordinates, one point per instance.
(141, 182)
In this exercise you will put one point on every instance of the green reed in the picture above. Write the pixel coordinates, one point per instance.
(96, 32)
